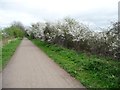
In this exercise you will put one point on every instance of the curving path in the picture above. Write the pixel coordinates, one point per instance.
(32, 68)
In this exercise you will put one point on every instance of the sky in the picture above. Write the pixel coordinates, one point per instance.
(94, 13)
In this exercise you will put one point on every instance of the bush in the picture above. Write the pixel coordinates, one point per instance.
(74, 35)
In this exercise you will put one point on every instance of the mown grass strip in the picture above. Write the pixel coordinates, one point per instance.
(91, 71)
(8, 50)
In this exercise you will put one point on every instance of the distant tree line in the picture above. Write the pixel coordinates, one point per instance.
(74, 35)
(13, 31)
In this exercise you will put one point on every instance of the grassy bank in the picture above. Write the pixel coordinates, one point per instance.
(8, 50)
(91, 71)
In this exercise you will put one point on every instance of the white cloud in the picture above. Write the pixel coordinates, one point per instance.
(98, 12)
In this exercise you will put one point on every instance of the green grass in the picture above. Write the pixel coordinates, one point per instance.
(91, 71)
(8, 50)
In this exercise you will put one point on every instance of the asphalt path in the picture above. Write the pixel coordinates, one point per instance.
(30, 67)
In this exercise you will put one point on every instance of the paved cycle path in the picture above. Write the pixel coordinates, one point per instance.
(32, 68)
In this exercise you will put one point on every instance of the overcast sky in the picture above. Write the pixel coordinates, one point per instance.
(95, 13)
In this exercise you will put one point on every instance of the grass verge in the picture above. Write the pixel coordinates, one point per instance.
(7, 51)
(91, 71)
